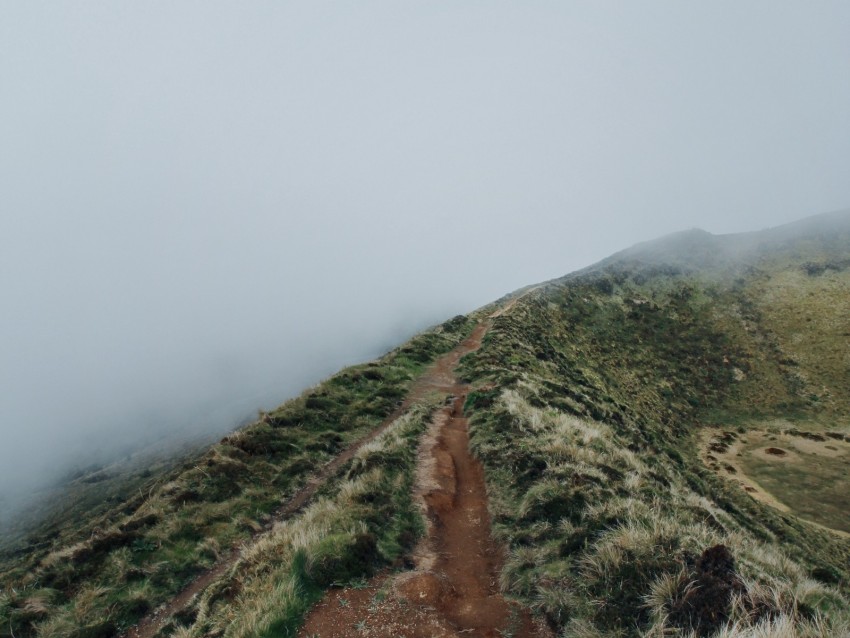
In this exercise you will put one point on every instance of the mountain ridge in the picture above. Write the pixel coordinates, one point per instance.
(707, 250)
(606, 408)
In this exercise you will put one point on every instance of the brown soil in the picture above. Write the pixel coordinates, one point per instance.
(453, 592)
(705, 607)
(437, 378)
(776, 451)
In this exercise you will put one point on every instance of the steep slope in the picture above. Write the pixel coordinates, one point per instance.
(103, 574)
(593, 396)
(664, 437)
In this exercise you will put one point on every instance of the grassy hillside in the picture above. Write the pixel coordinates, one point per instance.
(592, 395)
(665, 438)
(100, 575)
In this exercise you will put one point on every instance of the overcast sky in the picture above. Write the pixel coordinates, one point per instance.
(209, 205)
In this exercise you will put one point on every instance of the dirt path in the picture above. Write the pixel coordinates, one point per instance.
(453, 591)
(435, 378)
(508, 306)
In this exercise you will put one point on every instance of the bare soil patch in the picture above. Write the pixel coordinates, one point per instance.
(770, 454)
(453, 591)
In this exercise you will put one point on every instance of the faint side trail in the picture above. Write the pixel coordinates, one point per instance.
(436, 377)
(453, 592)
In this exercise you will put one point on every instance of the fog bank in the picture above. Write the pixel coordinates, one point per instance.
(206, 207)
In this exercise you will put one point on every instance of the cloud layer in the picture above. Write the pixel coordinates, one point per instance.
(208, 206)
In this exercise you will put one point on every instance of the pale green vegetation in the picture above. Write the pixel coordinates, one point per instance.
(816, 489)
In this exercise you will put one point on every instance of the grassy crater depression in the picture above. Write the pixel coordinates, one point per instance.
(806, 472)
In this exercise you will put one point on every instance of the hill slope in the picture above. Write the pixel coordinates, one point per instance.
(664, 436)
(597, 391)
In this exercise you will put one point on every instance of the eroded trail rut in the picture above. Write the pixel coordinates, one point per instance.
(453, 591)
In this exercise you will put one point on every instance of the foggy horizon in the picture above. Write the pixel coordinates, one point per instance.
(209, 208)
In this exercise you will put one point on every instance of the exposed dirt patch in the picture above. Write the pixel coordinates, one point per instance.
(375, 612)
(453, 592)
(771, 454)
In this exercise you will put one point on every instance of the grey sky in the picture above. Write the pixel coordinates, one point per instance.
(205, 202)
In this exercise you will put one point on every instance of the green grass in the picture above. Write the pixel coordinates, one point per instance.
(808, 479)
(817, 491)
(590, 393)
(365, 522)
(167, 533)
(589, 399)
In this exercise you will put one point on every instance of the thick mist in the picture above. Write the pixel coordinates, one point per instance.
(207, 207)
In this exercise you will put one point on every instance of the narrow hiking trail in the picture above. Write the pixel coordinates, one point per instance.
(437, 378)
(453, 590)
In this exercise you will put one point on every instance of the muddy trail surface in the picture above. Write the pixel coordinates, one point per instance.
(453, 590)
(436, 378)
